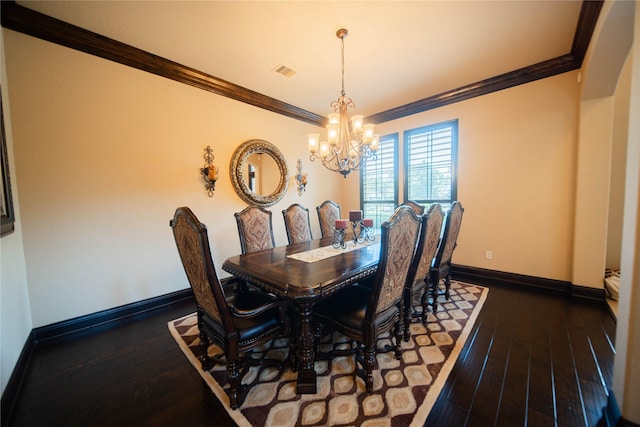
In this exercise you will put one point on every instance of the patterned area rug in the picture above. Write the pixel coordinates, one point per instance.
(404, 391)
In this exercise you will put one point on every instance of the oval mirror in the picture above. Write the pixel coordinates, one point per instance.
(259, 172)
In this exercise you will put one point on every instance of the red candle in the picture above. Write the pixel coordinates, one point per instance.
(368, 222)
(355, 215)
(341, 224)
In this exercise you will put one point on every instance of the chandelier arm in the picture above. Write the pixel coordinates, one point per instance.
(345, 137)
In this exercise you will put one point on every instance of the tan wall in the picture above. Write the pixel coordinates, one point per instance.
(15, 309)
(516, 169)
(105, 153)
(592, 194)
(618, 167)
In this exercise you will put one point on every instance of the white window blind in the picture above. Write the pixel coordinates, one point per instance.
(430, 158)
(378, 182)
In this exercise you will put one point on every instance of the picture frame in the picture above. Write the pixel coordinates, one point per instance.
(7, 217)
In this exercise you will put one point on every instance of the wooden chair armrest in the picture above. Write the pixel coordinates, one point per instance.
(258, 310)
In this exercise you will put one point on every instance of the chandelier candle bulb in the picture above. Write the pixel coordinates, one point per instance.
(355, 215)
(332, 134)
(341, 224)
(313, 142)
(324, 149)
(356, 121)
(367, 134)
(375, 144)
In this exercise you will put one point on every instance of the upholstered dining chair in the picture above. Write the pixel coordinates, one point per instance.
(255, 229)
(237, 323)
(441, 267)
(362, 313)
(417, 208)
(297, 224)
(418, 286)
(328, 212)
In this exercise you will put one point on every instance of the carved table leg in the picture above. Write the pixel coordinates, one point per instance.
(306, 371)
(293, 342)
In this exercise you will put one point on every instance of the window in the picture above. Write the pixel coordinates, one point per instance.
(430, 155)
(378, 182)
(429, 171)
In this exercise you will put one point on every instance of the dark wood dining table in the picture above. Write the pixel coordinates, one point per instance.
(305, 283)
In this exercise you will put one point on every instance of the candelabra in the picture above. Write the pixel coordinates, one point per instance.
(369, 231)
(361, 229)
(340, 234)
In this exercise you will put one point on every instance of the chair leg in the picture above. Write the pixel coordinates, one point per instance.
(204, 350)
(233, 377)
(398, 332)
(434, 292)
(447, 285)
(431, 292)
(408, 307)
(424, 301)
(369, 362)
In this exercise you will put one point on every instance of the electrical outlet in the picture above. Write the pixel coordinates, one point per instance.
(488, 255)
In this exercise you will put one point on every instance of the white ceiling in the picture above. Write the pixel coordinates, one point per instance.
(396, 52)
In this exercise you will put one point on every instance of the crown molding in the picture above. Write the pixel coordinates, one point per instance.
(27, 21)
(544, 69)
(39, 25)
(589, 13)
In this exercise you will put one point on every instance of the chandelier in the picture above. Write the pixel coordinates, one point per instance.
(348, 145)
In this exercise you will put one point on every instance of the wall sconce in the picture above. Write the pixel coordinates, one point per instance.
(210, 173)
(301, 178)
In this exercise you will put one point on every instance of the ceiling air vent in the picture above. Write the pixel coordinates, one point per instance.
(284, 70)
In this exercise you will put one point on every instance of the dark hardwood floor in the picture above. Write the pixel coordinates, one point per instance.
(532, 359)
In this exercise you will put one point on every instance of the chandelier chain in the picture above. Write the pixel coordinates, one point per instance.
(342, 50)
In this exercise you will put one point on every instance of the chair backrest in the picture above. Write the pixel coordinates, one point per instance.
(255, 229)
(397, 249)
(328, 212)
(193, 246)
(417, 208)
(428, 242)
(452, 224)
(296, 222)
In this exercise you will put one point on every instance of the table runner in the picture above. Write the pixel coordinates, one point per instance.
(324, 252)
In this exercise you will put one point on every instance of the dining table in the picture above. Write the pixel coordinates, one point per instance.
(305, 273)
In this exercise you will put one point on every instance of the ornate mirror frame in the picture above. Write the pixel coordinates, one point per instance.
(237, 172)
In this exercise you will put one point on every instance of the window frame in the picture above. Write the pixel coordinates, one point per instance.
(453, 124)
